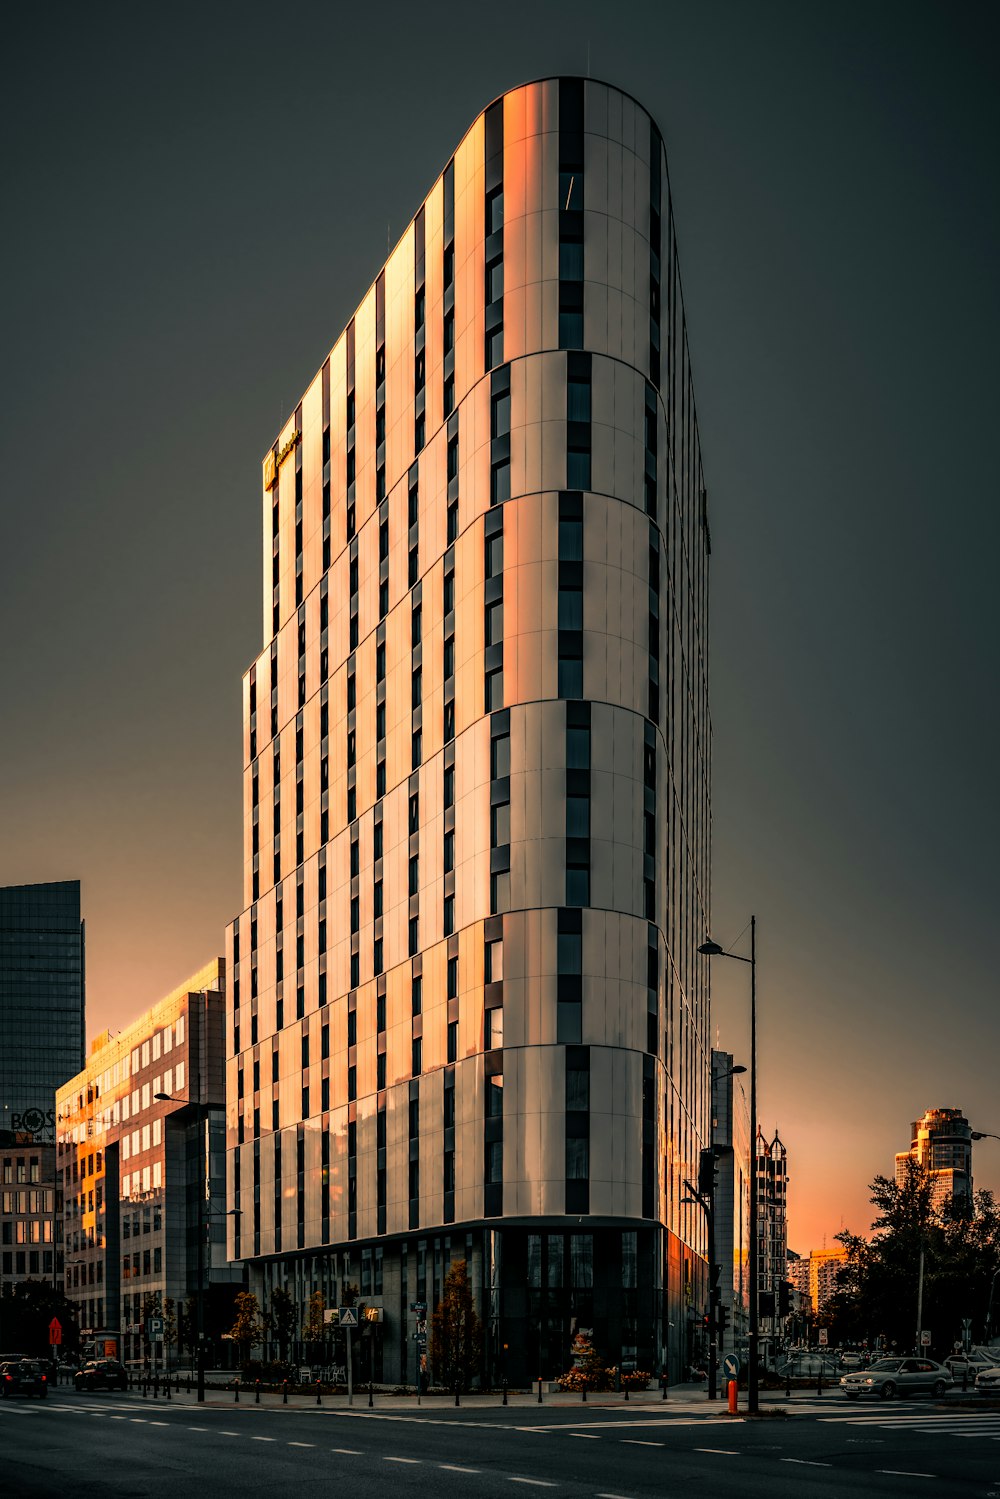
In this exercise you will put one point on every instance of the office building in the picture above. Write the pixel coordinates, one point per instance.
(141, 1176)
(941, 1143)
(731, 1139)
(814, 1275)
(468, 1018)
(772, 1238)
(42, 1026)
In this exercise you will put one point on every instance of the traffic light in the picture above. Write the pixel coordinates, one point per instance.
(784, 1290)
(723, 1315)
(706, 1173)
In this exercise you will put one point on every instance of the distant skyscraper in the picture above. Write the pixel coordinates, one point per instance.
(772, 1234)
(42, 1037)
(941, 1142)
(42, 1025)
(814, 1275)
(468, 1015)
(731, 1138)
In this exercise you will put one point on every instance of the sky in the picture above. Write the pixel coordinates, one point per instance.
(196, 200)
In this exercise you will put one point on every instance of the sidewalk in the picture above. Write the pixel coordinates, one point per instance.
(680, 1397)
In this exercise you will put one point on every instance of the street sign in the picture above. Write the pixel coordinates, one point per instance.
(55, 1333)
(958, 1347)
(348, 1317)
(966, 1324)
(418, 1306)
(731, 1364)
(925, 1340)
(154, 1327)
(824, 1337)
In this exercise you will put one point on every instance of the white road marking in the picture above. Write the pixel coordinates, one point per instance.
(139, 1420)
(722, 1451)
(302, 1444)
(347, 1451)
(539, 1483)
(415, 1460)
(804, 1462)
(454, 1468)
(637, 1442)
(158, 1423)
(904, 1473)
(262, 1439)
(586, 1436)
(228, 1433)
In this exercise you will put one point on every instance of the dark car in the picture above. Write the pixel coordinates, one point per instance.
(101, 1374)
(24, 1376)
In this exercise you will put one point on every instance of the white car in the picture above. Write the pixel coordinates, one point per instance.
(988, 1381)
(958, 1363)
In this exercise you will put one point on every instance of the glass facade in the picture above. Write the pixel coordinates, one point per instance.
(466, 1007)
(42, 1024)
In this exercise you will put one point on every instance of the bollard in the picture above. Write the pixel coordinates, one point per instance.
(284, 1392)
(318, 1400)
(189, 1381)
(788, 1381)
(819, 1381)
(505, 1392)
(256, 1391)
(371, 1395)
(177, 1384)
(145, 1389)
(734, 1397)
(169, 1392)
(539, 1389)
(663, 1384)
(236, 1390)
(583, 1392)
(965, 1378)
(626, 1392)
(156, 1387)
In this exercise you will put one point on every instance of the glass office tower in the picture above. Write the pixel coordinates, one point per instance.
(42, 1002)
(467, 1015)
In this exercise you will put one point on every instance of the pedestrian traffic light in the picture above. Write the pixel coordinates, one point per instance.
(723, 1315)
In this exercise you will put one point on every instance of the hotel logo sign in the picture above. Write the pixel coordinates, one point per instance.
(276, 458)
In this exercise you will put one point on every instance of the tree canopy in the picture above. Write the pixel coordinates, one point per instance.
(878, 1288)
(456, 1332)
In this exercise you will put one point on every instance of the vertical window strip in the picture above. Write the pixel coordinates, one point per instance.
(570, 206)
(493, 229)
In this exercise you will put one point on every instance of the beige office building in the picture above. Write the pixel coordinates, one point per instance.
(141, 1176)
(468, 1018)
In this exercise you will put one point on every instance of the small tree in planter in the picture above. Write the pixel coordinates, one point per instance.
(248, 1329)
(588, 1371)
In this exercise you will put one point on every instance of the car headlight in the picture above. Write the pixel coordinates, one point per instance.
(869, 1380)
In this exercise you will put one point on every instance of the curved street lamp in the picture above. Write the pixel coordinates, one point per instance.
(710, 949)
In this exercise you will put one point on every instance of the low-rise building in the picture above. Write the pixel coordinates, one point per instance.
(140, 1156)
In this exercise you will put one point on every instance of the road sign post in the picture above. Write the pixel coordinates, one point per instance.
(55, 1333)
(925, 1340)
(349, 1320)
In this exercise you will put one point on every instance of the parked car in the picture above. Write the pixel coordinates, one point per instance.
(898, 1376)
(808, 1366)
(851, 1360)
(23, 1376)
(101, 1374)
(988, 1381)
(958, 1363)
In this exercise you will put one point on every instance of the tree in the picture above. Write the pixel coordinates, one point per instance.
(314, 1327)
(169, 1324)
(878, 1288)
(248, 1329)
(26, 1309)
(588, 1371)
(282, 1318)
(456, 1332)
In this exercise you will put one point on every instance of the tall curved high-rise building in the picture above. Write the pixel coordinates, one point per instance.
(469, 1020)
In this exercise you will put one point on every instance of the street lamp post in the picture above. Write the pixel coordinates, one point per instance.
(712, 949)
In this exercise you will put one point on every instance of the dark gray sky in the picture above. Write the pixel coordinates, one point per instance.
(196, 199)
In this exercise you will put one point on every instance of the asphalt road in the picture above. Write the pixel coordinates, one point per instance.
(81, 1446)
